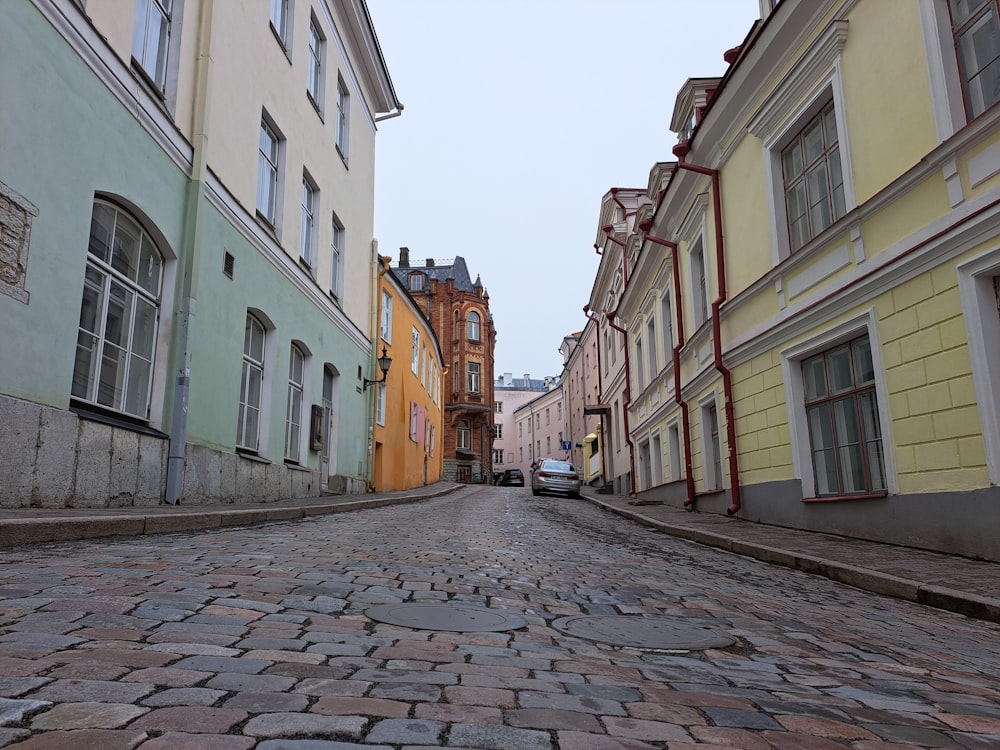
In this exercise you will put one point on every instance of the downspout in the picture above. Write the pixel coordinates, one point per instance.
(685, 419)
(189, 271)
(628, 401)
(379, 269)
(681, 151)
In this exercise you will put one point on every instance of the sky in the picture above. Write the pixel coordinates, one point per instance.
(519, 116)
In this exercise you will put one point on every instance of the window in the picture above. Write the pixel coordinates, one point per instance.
(559, 413)
(674, 452)
(473, 377)
(343, 115)
(457, 377)
(464, 435)
(248, 427)
(385, 326)
(415, 353)
(651, 344)
(667, 321)
(813, 179)
(337, 244)
(116, 342)
(416, 282)
(423, 365)
(548, 419)
(713, 446)
(842, 413)
(977, 40)
(293, 411)
(498, 431)
(548, 445)
(498, 457)
(267, 173)
(520, 429)
(279, 21)
(317, 50)
(151, 39)
(307, 236)
(640, 381)
(498, 407)
(380, 404)
(538, 421)
(472, 332)
(433, 439)
(699, 285)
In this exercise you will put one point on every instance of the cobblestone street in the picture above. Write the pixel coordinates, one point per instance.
(257, 637)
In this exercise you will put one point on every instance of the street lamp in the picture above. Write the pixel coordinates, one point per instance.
(383, 364)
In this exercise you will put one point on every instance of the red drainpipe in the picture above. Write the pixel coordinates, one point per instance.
(628, 401)
(685, 420)
(681, 151)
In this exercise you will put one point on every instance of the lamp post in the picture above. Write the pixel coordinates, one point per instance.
(384, 362)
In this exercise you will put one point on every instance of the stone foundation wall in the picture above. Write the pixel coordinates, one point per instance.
(51, 458)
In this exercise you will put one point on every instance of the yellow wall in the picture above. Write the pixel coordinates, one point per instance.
(399, 462)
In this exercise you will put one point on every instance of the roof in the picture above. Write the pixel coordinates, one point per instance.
(457, 271)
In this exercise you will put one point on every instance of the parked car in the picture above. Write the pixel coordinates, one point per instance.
(512, 478)
(553, 475)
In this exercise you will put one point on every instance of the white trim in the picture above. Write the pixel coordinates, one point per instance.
(942, 69)
(820, 269)
(711, 451)
(798, 428)
(982, 326)
(984, 165)
(953, 181)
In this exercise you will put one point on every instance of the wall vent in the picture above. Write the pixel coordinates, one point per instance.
(228, 264)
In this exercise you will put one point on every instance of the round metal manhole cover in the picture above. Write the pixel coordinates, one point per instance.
(664, 633)
(462, 618)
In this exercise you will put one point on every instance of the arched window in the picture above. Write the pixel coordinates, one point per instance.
(116, 341)
(293, 418)
(473, 327)
(248, 429)
(464, 435)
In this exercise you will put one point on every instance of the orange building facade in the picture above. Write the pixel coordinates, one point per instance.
(406, 421)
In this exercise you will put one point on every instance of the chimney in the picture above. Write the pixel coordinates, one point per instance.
(508, 379)
(404, 257)
(429, 262)
(527, 380)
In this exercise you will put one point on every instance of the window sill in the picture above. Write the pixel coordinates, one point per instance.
(251, 455)
(315, 104)
(295, 465)
(842, 498)
(93, 413)
(281, 43)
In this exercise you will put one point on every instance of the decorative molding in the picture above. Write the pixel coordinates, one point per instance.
(809, 71)
(818, 270)
(953, 181)
(984, 165)
(16, 213)
(858, 245)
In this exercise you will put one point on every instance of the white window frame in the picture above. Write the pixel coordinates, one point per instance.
(667, 328)
(338, 240)
(700, 312)
(294, 403)
(792, 357)
(252, 364)
(134, 353)
(982, 326)
(674, 450)
(280, 16)
(473, 326)
(713, 467)
(317, 64)
(463, 435)
(815, 80)
(307, 228)
(651, 355)
(638, 371)
(474, 376)
(270, 172)
(153, 19)
(343, 118)
(385, 325)
(947, 99)
(380, 405)
(415, 352)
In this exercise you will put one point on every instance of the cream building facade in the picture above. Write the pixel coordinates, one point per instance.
(824, 254)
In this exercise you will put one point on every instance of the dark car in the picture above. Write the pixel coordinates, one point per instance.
(553, 475)
(511, 478)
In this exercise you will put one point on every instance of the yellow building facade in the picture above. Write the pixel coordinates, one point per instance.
(406, 407)
(812, 325)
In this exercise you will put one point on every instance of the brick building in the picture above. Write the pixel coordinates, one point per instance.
(459, 312)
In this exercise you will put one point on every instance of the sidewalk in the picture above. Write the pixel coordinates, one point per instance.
(958, 584)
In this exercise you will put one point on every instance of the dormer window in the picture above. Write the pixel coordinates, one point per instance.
(416, 282)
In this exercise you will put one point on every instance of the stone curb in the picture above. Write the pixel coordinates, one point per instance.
(17, 532)
(952, 600)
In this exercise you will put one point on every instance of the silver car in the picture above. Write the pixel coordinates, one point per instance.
(552, 475)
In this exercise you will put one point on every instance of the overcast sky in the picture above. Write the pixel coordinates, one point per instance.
(519, 115)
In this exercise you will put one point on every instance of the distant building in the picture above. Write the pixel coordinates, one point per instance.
(509, 394)
(459, 312)
(582, 405)
(406, 450)
(541, 432)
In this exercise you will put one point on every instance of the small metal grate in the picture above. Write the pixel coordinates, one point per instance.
(228, 264)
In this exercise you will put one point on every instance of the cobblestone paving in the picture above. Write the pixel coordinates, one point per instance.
(256, 638)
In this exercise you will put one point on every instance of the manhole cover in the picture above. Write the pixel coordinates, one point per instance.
(643, 632)
(461, 618)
